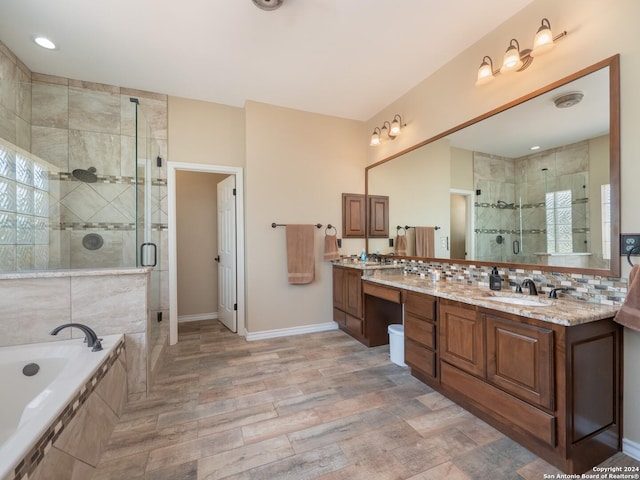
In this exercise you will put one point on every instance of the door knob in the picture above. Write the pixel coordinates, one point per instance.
(217, 259)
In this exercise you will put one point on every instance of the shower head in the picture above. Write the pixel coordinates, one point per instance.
(87, 176)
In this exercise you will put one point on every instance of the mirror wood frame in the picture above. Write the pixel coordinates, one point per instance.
(613, 63)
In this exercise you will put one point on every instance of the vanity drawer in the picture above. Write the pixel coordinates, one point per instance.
(419, 357)
(419, 330)
(380, 291)
(423, 306)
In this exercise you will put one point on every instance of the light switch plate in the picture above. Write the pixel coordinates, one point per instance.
(629, 241)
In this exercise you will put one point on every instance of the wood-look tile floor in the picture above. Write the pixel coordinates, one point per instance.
(315, 406)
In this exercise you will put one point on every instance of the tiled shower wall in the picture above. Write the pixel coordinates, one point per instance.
(71, 124)
(512, 202)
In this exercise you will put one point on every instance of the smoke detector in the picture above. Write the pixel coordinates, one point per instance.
(568, 99)
(268, 4)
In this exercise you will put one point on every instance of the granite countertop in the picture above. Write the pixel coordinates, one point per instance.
(358, 264)
(561, 311)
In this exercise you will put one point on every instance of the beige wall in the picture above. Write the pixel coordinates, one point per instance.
(203, 132)
(412, 199)
(298, 164)
(597, 30)
(197, 242)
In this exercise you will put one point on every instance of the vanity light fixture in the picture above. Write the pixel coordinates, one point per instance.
(516, 60)
(44, 42)
(375, 137)
(512, 61)
(388, 130)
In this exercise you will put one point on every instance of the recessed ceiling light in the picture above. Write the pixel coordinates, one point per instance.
(535, 147)
(44, 42)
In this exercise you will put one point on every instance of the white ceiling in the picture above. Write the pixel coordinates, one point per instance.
(348, 58)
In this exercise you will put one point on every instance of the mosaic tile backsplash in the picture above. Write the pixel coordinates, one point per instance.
(588, 288)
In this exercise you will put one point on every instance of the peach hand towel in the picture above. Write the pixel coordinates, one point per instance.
(300, 254)
(331, 248)
(425, 242)
(401, 245)
(629, 313)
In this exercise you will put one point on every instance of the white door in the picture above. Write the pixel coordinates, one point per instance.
(227, 312)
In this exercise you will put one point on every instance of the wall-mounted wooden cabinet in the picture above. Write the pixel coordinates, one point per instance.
(378, 224)
(354, 215)
(359, 219)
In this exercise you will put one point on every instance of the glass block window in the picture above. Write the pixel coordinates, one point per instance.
(24, 211)
(605, 202)
(559, 222)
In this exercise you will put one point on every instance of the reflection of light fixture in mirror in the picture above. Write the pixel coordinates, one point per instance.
(375, 137)
(515, 59)
(535, 147)
(543, 41)
(512, 61)
(388, 130)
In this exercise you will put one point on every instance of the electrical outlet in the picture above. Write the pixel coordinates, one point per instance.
(628, 242)
(444, 243)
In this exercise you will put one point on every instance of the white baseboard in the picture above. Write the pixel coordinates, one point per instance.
(285, 332)
(631, 448)
(198, 317)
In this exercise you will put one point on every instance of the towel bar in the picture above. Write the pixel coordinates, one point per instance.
(274, 225)
(407, 227)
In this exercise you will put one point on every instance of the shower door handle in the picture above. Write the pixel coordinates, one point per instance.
(155, 254)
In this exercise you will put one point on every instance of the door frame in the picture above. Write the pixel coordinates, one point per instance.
(470, 238)
(172, 169)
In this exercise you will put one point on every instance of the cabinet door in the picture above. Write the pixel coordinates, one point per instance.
(338, 288)
(378, 225)
(353, 215)
(461, 338)
(520, 360)
(353, 292)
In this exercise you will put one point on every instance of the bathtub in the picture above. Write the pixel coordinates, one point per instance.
(32, 407)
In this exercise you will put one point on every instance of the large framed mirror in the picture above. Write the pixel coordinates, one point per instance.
(534, 183)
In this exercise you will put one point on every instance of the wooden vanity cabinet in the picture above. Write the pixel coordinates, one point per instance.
(347, 300)
(462, 341)
(554, 389)
(420, 331)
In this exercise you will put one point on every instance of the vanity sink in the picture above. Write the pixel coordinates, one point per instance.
(524, 302)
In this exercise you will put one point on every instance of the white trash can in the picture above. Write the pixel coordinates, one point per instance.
(396, 344)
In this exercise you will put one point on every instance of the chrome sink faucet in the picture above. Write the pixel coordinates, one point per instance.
(527, 283)
(90, 336)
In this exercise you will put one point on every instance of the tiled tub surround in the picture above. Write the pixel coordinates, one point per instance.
(62, 433)
(111, 301)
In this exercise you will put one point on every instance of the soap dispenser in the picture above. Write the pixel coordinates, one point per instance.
(495, 282)
(363, 255)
